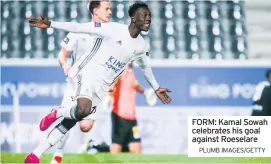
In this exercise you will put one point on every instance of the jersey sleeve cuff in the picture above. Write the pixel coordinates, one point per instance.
(155, 86)
(66, 47)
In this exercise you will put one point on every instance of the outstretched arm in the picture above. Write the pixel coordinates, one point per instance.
(143, 63)
(102, 29)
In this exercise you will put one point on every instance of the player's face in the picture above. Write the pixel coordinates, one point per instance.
(143, 19)
(103, 13)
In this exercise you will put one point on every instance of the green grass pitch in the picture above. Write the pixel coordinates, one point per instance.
(130, 158)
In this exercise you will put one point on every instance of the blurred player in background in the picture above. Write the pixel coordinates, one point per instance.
(77, 44)
(124, 124)
(261, 106)
(125, 134)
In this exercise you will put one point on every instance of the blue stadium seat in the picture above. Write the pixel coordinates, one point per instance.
(237, 28)
(27, 41)
(216, 47)
(52, 11)
(235, 2)
(28, 47)
(213, 11)
(167, 10)
(236, 11)
(177, 6)
(5, 27)
(7, 10)
(9, 28)
(216, 34)
(170, 38)
(73, 11)
(6, 47)
(193, 44)
(25, 9)
(119, 11)
(192, 28)
(170, 46)
(239, 47)
(215, 28)
(190, 11)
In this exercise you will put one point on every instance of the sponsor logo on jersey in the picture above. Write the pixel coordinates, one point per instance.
(66, 40)
(97, 24)
(114, 64)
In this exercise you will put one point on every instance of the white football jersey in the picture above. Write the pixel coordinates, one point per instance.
(78, 44)
(115, 31)
(115, 50)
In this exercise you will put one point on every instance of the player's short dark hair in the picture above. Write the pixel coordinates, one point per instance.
(267, 73)
(94, 4)
(134, 7)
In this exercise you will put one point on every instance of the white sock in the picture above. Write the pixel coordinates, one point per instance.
(42, 147)
(54, 136)
(61, 144)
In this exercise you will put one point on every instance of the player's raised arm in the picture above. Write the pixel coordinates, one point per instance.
(143, 63)
(102, 29)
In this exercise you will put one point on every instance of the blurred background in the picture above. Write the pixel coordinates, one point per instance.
(180, 29)
(184, 35)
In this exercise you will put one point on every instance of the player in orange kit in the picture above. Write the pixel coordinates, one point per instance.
(124, 123)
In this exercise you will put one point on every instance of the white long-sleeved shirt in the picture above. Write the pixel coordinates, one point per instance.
(78, 44)
(117, 50)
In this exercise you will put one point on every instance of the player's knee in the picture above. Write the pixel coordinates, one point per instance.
(83, 108)
(85, 128)
(135, 147)
(115, 148)
(86, 125)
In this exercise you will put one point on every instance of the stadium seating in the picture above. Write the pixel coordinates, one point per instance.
(189, 29)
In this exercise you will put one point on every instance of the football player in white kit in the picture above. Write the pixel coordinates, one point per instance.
(104, 63)
(78, 44)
